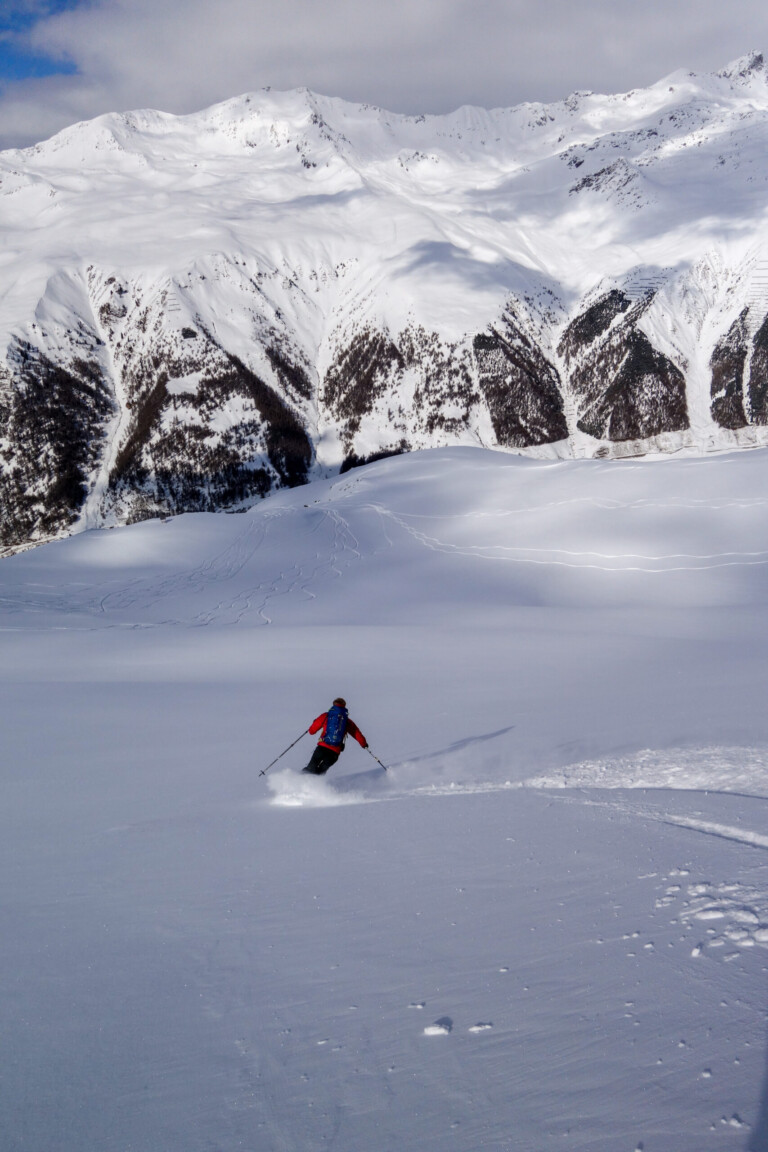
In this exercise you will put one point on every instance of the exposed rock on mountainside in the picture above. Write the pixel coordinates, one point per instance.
(758, 376)
(627, 389)
(738, 402)
(195, 310)
(521, 388)
(359, 378)
(53, 424)
(728, 360)
(410, 390)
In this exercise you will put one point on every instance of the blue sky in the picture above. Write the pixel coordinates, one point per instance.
(18, 61)
(68, 60)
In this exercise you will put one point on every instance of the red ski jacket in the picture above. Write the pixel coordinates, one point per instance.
(352, 730)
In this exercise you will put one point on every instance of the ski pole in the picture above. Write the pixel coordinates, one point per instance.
(375, 757)
(265, 770)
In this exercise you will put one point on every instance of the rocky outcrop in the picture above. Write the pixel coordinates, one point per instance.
(727, 365)
(758, 376)
(416, 389)
(363, 373)
(53, 424)
(184, 451)
(521, 388)
(625, 388)
(201, 430)
(739, 402)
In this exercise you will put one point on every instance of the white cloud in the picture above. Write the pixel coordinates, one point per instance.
(408, 55)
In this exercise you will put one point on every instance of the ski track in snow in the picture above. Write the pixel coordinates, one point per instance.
(740, 835)
(727, 915)
(564, 558)
(730, 770)
(336, 537)
(343, 527)
(724, 914)
(338, 550)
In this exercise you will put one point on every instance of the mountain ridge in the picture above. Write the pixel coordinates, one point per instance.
(195, 310)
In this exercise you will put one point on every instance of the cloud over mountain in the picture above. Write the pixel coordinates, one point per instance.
(421, 56)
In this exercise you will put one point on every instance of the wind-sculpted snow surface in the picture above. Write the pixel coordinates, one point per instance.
(197, 310)
(543, 926)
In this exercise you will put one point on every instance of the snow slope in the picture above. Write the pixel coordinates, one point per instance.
(196, 310)
(545, 926)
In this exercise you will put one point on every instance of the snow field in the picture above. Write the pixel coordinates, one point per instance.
(543, 927)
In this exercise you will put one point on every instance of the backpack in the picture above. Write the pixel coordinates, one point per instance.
(335, 726)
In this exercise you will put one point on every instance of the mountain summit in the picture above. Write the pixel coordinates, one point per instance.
(197, 309)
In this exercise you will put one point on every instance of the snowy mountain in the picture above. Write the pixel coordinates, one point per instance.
(195, 310)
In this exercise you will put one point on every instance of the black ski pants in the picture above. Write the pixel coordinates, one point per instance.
(322, 759)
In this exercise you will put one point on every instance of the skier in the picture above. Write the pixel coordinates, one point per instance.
(336, 725)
